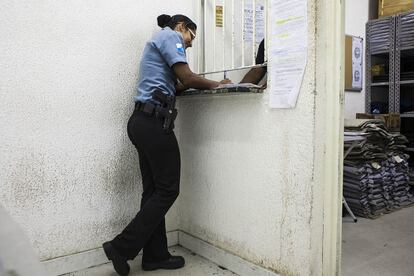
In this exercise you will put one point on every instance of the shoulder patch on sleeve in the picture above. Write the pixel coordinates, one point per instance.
(180, 48)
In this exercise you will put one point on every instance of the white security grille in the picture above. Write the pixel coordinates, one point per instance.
(230, 35)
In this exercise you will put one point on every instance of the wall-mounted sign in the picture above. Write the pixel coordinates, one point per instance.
(253, 22)
(219, 16)
(353, 63)
(248, 22)
(260, 23)
(288, 50)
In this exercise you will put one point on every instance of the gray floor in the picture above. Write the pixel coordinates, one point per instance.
(380, 247)
(195, 266)
(16, 254)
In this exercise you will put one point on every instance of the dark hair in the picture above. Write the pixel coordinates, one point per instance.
(168, 21)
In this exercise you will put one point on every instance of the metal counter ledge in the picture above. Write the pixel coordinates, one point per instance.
(222, 91)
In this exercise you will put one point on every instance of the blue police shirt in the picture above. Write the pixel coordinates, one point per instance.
(165, 49)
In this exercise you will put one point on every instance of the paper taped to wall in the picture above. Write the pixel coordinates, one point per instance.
(357, 47)
(259, 23)
(254, 22)
(248, 22)
(288, 50)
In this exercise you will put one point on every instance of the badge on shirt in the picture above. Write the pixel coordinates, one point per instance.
(180, 48)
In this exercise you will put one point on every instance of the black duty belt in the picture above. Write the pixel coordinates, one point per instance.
(166, 111)
(149, 108)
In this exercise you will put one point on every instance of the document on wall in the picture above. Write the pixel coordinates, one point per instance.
(219, 16)
(357, 62)
(254, 22)
(248, 22)
(259, 23)
(288, 50)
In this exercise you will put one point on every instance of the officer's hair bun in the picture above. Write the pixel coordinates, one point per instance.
(163, 20)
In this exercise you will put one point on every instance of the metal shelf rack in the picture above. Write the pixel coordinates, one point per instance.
(391, 37)
(404, 45)
(390, 41)
(380, 41)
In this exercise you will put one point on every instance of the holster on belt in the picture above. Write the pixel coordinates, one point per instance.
(167, 110)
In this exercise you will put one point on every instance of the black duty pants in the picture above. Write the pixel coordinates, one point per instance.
(159, 158)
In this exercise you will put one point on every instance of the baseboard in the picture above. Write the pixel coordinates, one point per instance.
(222, 257)
(95, 257)
(87, 259)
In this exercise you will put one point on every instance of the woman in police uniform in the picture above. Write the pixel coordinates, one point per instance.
(150, 130)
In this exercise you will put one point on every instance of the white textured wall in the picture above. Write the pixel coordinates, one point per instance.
(69, 174)
(356, 15)
(248, 181)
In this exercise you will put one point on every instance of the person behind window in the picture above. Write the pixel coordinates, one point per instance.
(255, 75)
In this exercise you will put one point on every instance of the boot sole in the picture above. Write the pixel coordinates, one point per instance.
(155, 266)
(121, 269)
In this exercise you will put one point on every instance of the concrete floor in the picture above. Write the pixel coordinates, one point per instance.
(380, 247)
(195, 266)
(16, 254)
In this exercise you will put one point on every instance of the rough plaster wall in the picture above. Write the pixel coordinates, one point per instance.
(356, 15)
(247, 184)
(69, 174)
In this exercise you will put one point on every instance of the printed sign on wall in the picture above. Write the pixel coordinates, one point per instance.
(254, 22)
(288, 49)
(260, 23)
(248, 22)
(219, 16)
(354, 58)
(357, 63)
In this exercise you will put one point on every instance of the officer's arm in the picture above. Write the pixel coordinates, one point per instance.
(254, 75)
(191, 80)
(180, 87)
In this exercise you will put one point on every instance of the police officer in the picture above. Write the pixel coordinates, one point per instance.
(150, 130)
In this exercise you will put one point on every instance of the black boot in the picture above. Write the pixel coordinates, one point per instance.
(119, 262)
(174, 262)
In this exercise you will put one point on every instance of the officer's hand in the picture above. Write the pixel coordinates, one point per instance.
(226, 81)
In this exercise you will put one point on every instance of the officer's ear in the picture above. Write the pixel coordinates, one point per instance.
(180, 27)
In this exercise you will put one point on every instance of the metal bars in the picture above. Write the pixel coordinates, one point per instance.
(236, 51)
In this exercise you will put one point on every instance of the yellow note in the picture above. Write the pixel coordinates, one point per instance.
(219, 16)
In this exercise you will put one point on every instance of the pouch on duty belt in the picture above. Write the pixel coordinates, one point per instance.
(168, 110)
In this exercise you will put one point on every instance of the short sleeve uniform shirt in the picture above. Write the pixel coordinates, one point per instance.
(165, 49)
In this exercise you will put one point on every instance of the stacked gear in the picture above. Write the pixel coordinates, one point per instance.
(376, 171)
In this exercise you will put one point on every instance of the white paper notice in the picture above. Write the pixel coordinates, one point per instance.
(357, 62)
(356, 76)
(288, 50)
(248, 22)
(356, 49)
(260, 23)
